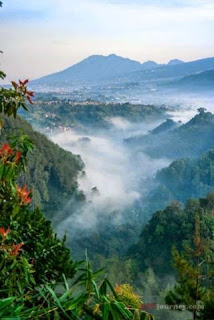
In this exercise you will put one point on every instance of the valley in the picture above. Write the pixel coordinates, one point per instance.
(107, 160)
(114, 171)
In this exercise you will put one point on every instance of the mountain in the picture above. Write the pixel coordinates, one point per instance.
(172, 71)
(96, 67)
(174, 62)
(197, 81)
(101, 68)
(52, 172)
(149, 65)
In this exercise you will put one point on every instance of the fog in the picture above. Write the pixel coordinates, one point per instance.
(115, 177)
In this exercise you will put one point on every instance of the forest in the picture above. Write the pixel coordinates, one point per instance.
(56, 111)
(106, 207)
(176, 235)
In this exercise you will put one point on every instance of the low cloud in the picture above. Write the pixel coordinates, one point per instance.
(115, 176)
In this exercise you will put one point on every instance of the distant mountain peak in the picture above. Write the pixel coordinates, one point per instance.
(113, 55)
(173, 62)
(93, 68)
(149, 64)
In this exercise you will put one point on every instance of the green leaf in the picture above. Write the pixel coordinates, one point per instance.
(6, 302)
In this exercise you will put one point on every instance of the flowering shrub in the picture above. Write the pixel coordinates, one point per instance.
(30, 252)
(11, 100)
(126, 295)
(24, 195)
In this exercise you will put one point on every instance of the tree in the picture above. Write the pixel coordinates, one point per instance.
(202, 110)
(195, 275)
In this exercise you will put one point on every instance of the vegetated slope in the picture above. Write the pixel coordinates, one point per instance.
(173, 226)
(52, 172)
(54, 113)
(189, 140)
(169, 124)
(183, 179)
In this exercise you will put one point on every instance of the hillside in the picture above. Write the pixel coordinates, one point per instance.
(173, 71)
(182, 179)
(203, 80)
(52, 172)
(170, 227)
(169, 124)
(56, 112)
(180, 142)
(97, 68)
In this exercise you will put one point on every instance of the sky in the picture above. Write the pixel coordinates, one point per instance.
(39, 37)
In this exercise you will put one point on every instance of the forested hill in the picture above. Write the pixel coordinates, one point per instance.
(174, 226)
(183, 179)
(53, 112)
(191, 139)
(51, 173)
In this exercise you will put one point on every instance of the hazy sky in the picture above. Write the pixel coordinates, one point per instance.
(42, 36)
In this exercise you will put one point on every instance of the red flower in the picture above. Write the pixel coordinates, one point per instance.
(16, 249)
(18, 156)
(4, 232)
(6, 150)
(24, 195)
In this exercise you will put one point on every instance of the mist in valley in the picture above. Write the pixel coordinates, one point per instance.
(115, 177)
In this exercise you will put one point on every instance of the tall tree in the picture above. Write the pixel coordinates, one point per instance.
(195, 268)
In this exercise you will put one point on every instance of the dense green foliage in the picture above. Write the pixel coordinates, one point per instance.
(195, 267)
(173, 226)
(54, 112)
(183, 179)
(44, 258)
(51, 172)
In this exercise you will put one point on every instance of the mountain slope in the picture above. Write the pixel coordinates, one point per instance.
(95, 67)
(183, 179)
(100, 68)
(52, 172)
(149, 65)
(174, 226)
(197, 81)
(174, 62)
(173, 71)
(189, 140)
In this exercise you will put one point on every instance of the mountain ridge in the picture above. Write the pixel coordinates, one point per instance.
(111, 67)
